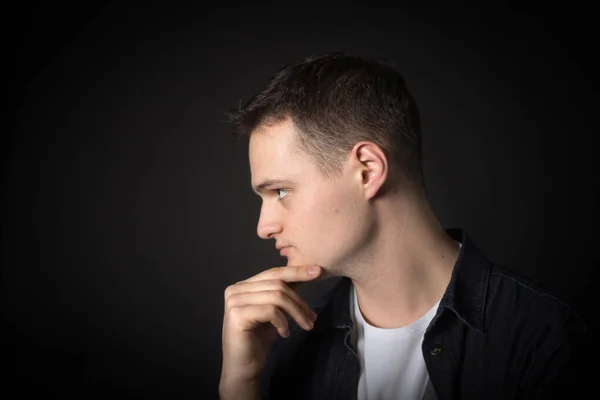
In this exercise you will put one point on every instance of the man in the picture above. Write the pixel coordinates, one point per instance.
(419, 312)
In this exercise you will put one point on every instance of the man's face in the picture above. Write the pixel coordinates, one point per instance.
(323, 221)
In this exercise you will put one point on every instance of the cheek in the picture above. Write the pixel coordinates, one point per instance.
(312, 220)
(333, 218)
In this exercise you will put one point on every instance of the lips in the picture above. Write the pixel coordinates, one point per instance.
(284, 250)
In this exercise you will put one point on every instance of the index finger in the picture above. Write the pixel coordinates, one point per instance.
(290, 273)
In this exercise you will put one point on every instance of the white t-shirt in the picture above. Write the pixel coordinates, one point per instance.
(392, 364)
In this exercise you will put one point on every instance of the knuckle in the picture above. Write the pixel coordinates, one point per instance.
(235, 314)
(279, 296)
(272, 310)
(230, 302)
(228, 291)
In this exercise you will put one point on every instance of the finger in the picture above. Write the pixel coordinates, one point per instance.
(290, 273)
(266, 285)
(274, 297)
(247, 318)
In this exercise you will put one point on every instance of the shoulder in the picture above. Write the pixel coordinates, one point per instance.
(518, 303)
(545, 330)
(522, 292)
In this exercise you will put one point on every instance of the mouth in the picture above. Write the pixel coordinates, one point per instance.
(283, 251)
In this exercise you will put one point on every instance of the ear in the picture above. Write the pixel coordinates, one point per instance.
(372, 167)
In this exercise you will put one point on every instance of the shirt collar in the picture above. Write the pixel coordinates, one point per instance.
(465, 294)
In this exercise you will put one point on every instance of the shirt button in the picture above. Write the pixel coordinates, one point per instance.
(436, 350)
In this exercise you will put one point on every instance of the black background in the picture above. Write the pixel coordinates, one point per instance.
(126, 203)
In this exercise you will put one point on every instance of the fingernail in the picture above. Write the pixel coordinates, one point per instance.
(313, 270)
(310, 323)
(313, 315)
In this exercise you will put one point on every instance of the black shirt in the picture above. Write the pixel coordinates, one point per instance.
(495, 335)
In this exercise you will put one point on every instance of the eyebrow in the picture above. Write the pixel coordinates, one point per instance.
(270, 182)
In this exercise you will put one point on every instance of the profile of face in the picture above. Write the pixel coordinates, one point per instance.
(324, 222)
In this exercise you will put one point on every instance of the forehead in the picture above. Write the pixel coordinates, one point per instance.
(273, 154)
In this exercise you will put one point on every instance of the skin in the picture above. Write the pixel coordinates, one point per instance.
(368, 224)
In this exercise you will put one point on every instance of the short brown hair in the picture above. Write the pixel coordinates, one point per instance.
(336, 100)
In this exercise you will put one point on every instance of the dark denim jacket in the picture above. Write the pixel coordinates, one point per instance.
(495, 335)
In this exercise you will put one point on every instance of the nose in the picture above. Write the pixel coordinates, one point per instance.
(268, 224)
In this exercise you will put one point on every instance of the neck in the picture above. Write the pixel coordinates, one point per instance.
(405, 270)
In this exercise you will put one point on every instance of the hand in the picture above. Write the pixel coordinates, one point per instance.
(255, 312)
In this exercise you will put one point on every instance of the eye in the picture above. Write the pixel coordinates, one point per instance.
(282, 190)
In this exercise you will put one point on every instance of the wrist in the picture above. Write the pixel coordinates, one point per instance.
(239, 389)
